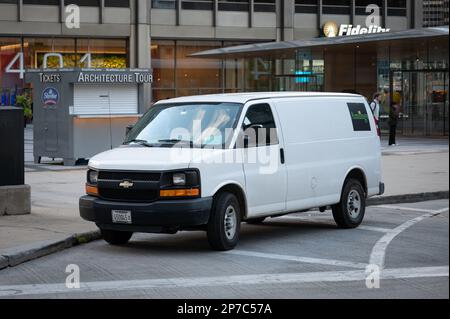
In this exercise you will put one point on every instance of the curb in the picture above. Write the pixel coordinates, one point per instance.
(407, 198)
(18, 255)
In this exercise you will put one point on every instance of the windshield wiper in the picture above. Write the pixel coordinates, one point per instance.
(176, 141)
(140, 142)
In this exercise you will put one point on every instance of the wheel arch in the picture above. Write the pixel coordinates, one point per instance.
(237, 191)
(358, 174)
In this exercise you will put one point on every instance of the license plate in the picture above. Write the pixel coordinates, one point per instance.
(121, 216)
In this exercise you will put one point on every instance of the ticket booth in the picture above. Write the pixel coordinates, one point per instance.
(80, 113)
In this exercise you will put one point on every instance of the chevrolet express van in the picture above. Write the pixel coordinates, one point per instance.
(211, 162)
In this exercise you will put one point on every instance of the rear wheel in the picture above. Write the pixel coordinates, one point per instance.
(349, 212)
(115, 237)
(224, 223)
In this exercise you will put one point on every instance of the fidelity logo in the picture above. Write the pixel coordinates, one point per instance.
(331, 29)
(50, 96)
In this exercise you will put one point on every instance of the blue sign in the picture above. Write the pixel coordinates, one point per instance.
(303, 76)
(50, 96)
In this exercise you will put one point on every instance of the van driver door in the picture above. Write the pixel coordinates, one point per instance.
(263, 160)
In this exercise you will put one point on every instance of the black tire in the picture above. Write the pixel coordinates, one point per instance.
(255, 221)
(220, 236)
(346, 213)
(115, 237)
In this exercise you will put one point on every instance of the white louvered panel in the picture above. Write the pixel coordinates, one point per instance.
(105, 99)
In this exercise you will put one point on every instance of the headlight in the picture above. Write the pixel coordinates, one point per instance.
(179, 179)
(92, 177)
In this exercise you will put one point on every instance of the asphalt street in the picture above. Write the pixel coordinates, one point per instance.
(296, 256)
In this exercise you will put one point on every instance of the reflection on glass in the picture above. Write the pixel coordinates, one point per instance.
(192, 125)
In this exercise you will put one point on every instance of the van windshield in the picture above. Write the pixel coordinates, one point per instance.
(195, 125)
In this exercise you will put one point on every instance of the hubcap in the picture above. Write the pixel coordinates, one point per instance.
(230, 222)
(354, 204)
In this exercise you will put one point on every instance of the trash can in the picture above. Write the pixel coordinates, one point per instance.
(11, 146)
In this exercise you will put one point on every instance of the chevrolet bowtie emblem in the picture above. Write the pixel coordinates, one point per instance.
(126, 184)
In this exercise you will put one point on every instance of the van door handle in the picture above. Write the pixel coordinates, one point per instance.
(282, 155)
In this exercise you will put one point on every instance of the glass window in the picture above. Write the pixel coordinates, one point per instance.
(11, 84)
(163, 64)
(194, 72)
(397, 8)
(197, 4)
(163, 4)
(44, 2)
(265, 6)
(306, 6)
(84, 3)
(192, 125)
(233, 5)
(117, 3)
(105, 53)
(336, 7)
(259, 126)
(37, 48)
(193, 76)
(361, 6)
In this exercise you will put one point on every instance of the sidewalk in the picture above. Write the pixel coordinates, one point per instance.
(416, 166)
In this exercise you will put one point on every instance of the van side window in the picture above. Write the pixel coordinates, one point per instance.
(259, 127)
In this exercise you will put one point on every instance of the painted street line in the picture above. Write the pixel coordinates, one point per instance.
(377, 257)
(257, 279)
(419, 210)
(320, 261)
(318, 221)
(375, 229)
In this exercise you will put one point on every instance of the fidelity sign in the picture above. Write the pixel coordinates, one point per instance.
(348, 29)
(331, 29)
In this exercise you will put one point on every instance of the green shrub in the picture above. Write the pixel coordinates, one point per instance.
(25, 101)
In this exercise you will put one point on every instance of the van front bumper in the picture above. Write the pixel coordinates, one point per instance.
(159, 216)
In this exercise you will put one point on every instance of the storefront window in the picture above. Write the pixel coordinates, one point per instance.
(37, 48)
(11, 84)
(258, 74)
(163, 64)
(105, 53)
(197, 73)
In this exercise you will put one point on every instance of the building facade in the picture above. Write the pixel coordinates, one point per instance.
(161, 34)
(435, 13)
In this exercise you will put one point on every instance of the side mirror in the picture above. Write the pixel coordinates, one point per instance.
(128, 129)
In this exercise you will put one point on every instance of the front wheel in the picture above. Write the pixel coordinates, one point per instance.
(115, 237)
(349, 212)
(224, 223)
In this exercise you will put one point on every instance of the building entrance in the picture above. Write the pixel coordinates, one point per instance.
(423, 95)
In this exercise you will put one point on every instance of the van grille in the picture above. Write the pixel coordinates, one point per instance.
(145, 189)
(127, 195)
(134, 176)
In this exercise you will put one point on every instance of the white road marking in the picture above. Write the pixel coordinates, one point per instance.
(419, 210)
(257, 279)
(309, 260)
(377, 257)
(375, 229)
(322, 221)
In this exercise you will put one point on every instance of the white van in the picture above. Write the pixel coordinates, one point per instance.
(210, 162)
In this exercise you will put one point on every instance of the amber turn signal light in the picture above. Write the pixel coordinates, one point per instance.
(192, 192)
(91, 190)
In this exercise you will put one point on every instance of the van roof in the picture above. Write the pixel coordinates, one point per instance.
(245, 97)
